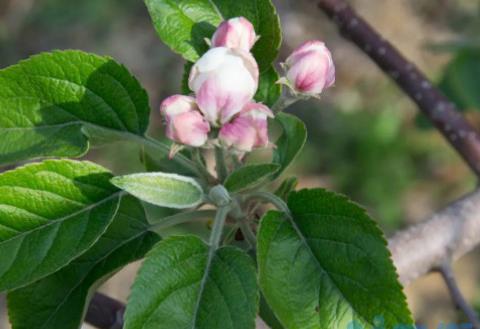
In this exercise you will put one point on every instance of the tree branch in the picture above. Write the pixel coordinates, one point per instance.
(446, 236)
(433, 104)
(105, 312)
(457, 297)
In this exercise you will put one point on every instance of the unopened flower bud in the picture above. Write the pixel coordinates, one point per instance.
(224, 80)
(310, 68)
(235, 33)
(185, 124)
(248, 130)
(258, 114)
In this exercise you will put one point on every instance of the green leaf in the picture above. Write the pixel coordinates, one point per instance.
(180, 286)
(165, 190)
(269, 91)
(186, 74)
(47, 99)
(460, 79)
(291, 142)
(184, 24)
(50, 213)
(250, 176)
(59, 301)
(328, 265)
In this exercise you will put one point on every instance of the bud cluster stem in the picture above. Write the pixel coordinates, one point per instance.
(285, 100)
(221, 167)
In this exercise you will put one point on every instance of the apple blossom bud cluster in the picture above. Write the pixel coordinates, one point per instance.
(224, 81)
(310, 69)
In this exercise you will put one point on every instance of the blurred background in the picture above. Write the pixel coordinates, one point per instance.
(366, 139)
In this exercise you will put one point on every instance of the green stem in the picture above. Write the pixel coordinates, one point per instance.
(271, 198)
(221, 167)
(247, 232)
(217, 229)
(285, 100)
(181, 218)
(201, 166)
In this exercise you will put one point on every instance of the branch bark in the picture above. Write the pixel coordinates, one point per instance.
(434, 105)
(457, 297)
(446, 236)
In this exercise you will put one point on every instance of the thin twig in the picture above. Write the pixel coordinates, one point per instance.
(105, 312)
(457, 297)
(430, 100)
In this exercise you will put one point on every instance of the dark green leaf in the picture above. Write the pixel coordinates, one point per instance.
(291, 142)
(184, 24)
(165, 190)
(186, 74)
(249, 176)
(50, 213)
(178, 286)
(59, 301)
(47, 99)
(268, 90)
(267, 315)
(328, 266)
(460, 80)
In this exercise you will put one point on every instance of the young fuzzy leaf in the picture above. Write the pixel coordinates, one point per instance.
(48, 100)
(249, 176)
(180, 286)
(165, 190)
(291, 142)
(59, 301)
(184, 24)
(50, 213)
(328, 266)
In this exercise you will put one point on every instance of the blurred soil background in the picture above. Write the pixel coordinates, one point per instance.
(365, 137)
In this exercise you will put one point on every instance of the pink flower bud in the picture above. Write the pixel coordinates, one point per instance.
(224, 80)
(185, 124)
(177, 104)
(235, 33)
(258, 114)
(310, 68)
(240, 135)
(248, 130)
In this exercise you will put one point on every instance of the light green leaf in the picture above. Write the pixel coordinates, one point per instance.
(47, 99)
(178, 287)
(59, 301)
(165, 190)
(249, 176)
(291, 142)
(268, 89)
(50, 213)
(184, 24)
(328, 266)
